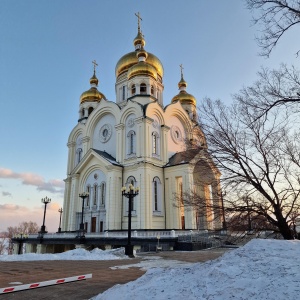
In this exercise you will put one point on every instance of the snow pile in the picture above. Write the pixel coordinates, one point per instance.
(262, 269)
(77, 254)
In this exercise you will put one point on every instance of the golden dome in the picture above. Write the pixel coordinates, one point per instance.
(94, 80)
(130, 59)
(92, 95)
(142, 68)
(182, 83)
(185, 98)
(139, 39)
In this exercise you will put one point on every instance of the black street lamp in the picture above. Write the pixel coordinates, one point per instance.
(21, 238)
(130, 194)
(60, 212)
(45, 200)
(81, 228)
(224, 226)
(248, 214)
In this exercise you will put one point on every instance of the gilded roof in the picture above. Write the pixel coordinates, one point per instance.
(185, 98)
(92, 95)
(129, 59)
(142, 68)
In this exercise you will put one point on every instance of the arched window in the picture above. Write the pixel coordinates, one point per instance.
(152, 90)
(155, 143)
(180, 193)
(133, 89)
(90, 110)
(79, 155)
(131, 180)
(157, 195)
(88, 190)
(131, 139)
(123, 92)
(103, 187)
(95, 194)
(143, 88)
(82, 113)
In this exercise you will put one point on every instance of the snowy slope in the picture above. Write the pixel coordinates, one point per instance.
(262, 269)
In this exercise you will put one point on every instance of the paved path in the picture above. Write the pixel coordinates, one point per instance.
(103, 276)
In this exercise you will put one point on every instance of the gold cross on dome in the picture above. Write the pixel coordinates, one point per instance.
(95, 64)
(139, 20)
(181, 70)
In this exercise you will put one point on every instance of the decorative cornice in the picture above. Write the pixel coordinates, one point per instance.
(71, 144)
(85, 139)
(120, 126)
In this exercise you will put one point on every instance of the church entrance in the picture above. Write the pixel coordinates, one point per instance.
(182, 222)
(93, 224)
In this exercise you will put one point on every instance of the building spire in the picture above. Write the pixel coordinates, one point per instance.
(139, 21)
(139, 41)
(94, 80)
(95, 64)
(182, 83)
(181, 70)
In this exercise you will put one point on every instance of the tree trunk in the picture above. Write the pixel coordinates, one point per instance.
(284, 227)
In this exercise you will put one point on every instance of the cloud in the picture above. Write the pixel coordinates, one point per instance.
(6, 194)
(55, 186)
(12, 208)
(13, 214)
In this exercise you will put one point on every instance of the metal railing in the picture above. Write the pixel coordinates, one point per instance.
(112, 234)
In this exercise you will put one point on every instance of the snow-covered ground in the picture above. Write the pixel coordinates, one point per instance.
(262, 269)
(77, 254)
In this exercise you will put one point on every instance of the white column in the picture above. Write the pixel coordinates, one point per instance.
(121, 145)
(66, 205)
(74, 199)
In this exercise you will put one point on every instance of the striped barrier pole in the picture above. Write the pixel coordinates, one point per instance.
(43, 283)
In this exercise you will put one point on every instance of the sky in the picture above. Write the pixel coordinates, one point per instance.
(262, 269)
(46, 54)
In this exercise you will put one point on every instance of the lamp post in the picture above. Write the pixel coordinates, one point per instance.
(60, 212)
(21, 238)
(224, 227)
(248, 215)
(45, 200)
(81, 228)
(130, 194)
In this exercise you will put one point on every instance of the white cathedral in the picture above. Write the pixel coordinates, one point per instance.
(137, 140)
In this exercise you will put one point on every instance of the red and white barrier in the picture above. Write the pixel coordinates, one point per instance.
(43, 283)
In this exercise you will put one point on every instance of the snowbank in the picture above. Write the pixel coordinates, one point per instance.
(77, 254)
(262, 269)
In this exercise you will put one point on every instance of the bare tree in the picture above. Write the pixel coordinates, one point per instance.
(272, 89)
(3, 245)
(208, 210)
(254, 161)
(23, 227)
(276, 17)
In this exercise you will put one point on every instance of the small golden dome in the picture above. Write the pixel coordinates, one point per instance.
(142, 68)
(92, 95)
(139, 39)
(182, 83)
(94, 80)
(130, 59)
(185, 98)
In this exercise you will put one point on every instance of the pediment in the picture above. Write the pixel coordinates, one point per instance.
(96, 157)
